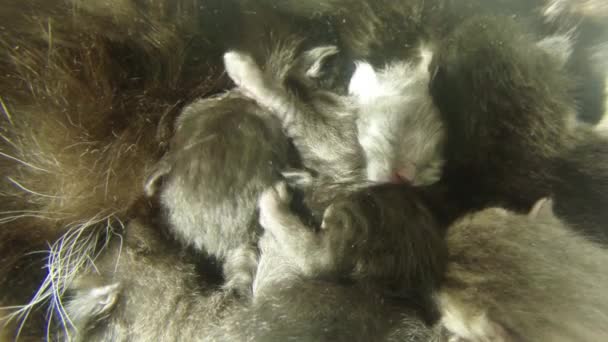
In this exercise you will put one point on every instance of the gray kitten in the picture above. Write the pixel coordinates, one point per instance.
(225, 152)
(320, 122)
(386, 130)
(143, 288)
(382, 235)
(513, 277)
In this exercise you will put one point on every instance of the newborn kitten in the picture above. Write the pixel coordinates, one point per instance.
(145, 289)
(398, 129)
(321, 123)
(224, 153)
(142, 288)
(383, 235)
(513, 277)
(398, 125)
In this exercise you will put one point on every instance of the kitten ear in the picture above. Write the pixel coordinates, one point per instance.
(90, 303)
(364, 83)
(542, 210)
(314, 60)
(161, 169)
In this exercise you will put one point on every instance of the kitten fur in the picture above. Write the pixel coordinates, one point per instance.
(512, 277)
(320, 123)
(382, 235)
(144, 280)
(143, 288)
(398, 126)
(225, 151)
(84, 89)
(520, 114)
(89, 91)
(505, 104)
(89, 94)
(398, 140)
(381, 31)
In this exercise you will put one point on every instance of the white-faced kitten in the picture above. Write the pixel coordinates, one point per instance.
(386, 130)
(390, 115)
(398, 125)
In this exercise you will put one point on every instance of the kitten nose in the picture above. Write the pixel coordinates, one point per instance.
(405, 174)
(397, 179)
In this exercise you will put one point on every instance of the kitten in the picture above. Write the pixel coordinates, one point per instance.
(381, 31)
(383, 234)
(398, 125)
(512, 277)
(143, 288)
(321, 123)
(398, 128)
(224, 153)
(516, 139)
(388, 122)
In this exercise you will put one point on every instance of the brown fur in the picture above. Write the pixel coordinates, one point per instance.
(83, 92)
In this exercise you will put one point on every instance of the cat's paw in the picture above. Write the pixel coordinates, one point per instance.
(274, 206)
(243, 70)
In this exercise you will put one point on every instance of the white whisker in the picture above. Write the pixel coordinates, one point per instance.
(20, 186)
(23, 162)
(71, 255)
(6, 112)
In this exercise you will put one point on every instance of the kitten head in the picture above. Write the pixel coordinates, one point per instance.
(399, 128)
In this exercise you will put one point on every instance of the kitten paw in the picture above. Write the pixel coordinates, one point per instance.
(273, 205)
(243, 70)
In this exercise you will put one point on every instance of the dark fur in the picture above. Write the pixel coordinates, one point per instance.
(145, 289)
(515, 140)
(381, 31)
(83, 91)
(507, 113)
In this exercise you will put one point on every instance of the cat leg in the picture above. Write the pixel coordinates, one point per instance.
(248, 76)
(239, 270)
(298, 242)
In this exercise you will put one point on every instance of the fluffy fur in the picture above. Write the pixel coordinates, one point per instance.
(398, 126)
(89, 94)
(320, 123)
(83, 92)
(513, 277)
(224, 153)
(512, 142)
(376, 31)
